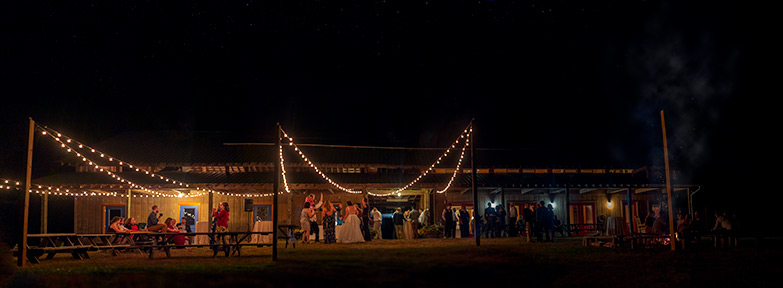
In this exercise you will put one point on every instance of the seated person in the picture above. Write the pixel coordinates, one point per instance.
(183, 226)
(176, 239)
(131, 225)
(117, 227)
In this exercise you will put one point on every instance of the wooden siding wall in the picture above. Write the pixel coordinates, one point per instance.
(599, 199)
(90, 210)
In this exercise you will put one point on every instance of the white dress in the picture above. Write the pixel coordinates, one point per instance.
(350, 232)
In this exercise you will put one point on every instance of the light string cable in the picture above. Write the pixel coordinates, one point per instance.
(465, 134)
(202, 191)
(50, 190)
(459, 163)
(310, 163)
(89, 161)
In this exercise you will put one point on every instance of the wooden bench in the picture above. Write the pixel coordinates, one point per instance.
(588, 241)
(228, 242)
(287, 234)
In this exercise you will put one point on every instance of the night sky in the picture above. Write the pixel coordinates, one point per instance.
(582, 80)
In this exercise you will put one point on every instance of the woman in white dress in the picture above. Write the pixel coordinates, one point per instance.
(350, 232)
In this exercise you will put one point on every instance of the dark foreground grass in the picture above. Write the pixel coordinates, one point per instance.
(425, 262)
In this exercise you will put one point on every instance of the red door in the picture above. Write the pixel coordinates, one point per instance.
(582, 217)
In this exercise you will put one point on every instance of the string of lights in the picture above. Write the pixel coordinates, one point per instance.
(202, 191)
(50, 190)
(465, 134)
(310, 163)
(459, 163)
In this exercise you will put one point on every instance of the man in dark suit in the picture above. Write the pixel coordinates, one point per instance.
(398, 219)
(448, 221)
(464, 222)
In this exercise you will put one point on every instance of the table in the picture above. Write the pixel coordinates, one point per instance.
(262, 226)
(201, 227)
(287, 233)
(52, 244)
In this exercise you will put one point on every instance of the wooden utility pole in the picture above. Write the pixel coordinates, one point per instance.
(28, 174)
(474, 187)
(276, 187)
(44, 212)
(668, 183)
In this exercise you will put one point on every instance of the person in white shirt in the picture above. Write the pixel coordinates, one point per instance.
(377, 219)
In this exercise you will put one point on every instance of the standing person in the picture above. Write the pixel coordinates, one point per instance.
(304, 221)
(501, 221)
(153, 219)
(314, 229)
(490, 216)
(424, 219)
(399, 219)
(448, 221)
(351, 232)
(365, 212)
(464, 222)
(541, 221)
(328, 222)
(221, 217)
(513, 214)
(530, 219)
(377, 219)
(550, 218)
(414, 216)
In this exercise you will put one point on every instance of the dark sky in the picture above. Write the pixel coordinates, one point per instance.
(583, 80)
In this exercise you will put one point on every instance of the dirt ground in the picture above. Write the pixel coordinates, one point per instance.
(422, 262)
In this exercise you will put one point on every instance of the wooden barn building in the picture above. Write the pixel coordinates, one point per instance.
(241, 171)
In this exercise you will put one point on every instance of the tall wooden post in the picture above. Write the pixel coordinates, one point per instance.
(28, 174)
(209, 210)
(668, 183)
(276, 187)
(630, 211)
(474, 187)
(75, 215)
(128, 206)
(44, 212)
(567, 209)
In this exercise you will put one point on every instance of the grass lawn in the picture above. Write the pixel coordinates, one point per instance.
(424, 262)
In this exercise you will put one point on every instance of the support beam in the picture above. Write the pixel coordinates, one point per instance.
(44, 213)
(496, 191)
(644, 190)
(555, 191)
(567, 210)
(527, 190)
(276, 187)
(23, 242)
(668, 181)
(473, 183)
(464, 191)
(630, 212)
(586, 190)
(128, 207)
(613, 191)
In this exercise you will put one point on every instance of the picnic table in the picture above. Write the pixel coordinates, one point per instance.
(229, 242)
(51, 244)
(287, 233)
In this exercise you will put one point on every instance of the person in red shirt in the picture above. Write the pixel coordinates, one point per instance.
(130, 223)
(221, 217)
(170, 228)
